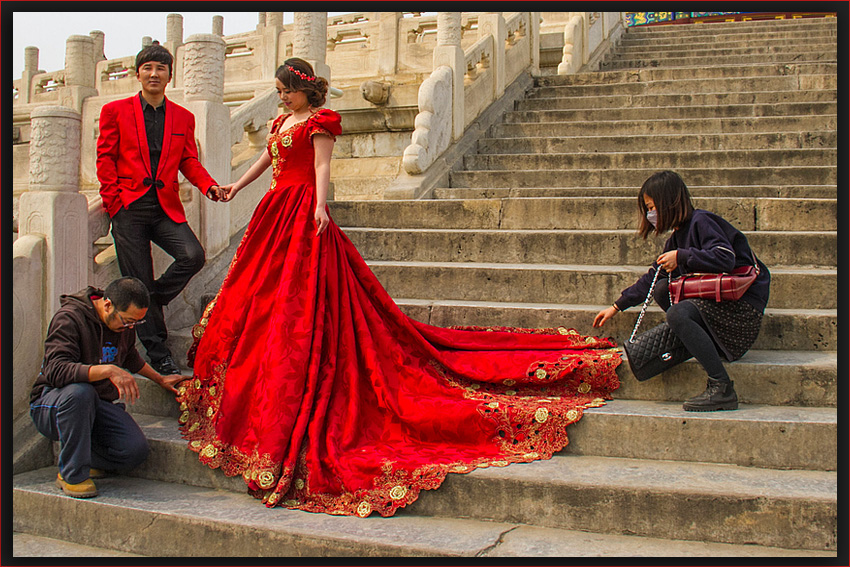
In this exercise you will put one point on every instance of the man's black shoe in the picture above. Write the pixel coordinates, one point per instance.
(717, 396)
(166, 366)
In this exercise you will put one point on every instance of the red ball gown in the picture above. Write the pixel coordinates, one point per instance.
(312, 384)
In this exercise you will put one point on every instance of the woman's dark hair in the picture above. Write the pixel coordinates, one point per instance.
(127, 291)
(297, 75)
(157, 53)
(672, 201)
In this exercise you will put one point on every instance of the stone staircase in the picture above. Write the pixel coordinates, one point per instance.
(538, 230)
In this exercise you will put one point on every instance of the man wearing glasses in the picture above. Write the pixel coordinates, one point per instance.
(90, 357)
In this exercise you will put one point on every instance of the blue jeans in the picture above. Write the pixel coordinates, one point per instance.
(92, 432)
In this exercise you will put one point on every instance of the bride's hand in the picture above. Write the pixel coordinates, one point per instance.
(229, 191)
(322, 219)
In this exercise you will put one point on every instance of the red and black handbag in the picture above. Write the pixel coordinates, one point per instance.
(719, 287)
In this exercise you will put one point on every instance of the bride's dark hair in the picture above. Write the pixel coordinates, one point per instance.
(298, 75)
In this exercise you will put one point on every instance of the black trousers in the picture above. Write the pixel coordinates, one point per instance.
(92, 432)
(133, 230)
(685, 320)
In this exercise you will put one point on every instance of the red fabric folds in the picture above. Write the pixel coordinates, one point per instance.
(312, 384)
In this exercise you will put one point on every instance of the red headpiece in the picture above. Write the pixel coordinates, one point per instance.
(303, 76)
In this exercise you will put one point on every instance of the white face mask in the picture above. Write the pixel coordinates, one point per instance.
(652, 217)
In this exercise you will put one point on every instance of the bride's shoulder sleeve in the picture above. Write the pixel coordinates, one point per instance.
(327, 122)
(276, 123)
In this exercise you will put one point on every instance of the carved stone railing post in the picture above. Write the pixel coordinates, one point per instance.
(203, 91)
(173, 42)
(218, 25)
(493, 23)
(448, 52)
(79, 72)
(271, 24)
(99, 38)
(53, 207)
(30, 70)
(311, 40)
(388, 42)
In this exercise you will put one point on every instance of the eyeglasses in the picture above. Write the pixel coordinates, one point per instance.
(126, 324)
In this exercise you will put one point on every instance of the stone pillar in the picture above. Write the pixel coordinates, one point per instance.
(262, 20)
(271, 25)
(147, 41)
(98, 37)
(79, 61)
(53, 207)
(388, 42)
(30, 70)
(218, 26)
(449, 53)
(79, 72)
(173, 32)
(311, 40)
(493, 23)
(534, 36)
(203, 91)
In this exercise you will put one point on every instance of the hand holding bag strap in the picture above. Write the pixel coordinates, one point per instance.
(645, 305)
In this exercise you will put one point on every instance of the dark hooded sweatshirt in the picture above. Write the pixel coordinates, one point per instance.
(78, 339)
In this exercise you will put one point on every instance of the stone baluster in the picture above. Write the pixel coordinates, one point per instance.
(79, 72)
(262, 20)
(534, 32)
(218, 26)
(270, 27)
(203, 90)
(53, 207)
(99, 38)
(147, 41)
(448, 52)
(388, 42)
(311, 40)
(30, 70)
(493, 23)
(174, 43)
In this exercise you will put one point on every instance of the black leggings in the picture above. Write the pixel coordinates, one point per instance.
(685, 320)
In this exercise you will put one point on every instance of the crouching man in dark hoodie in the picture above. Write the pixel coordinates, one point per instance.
(89, 361)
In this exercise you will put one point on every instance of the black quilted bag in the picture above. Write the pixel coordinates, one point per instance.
(656, 350)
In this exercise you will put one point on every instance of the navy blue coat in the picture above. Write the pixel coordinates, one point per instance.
(705, 243)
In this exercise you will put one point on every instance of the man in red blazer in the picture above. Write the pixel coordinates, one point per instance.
(144, 140)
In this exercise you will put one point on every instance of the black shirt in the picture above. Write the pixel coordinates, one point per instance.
(155, 129)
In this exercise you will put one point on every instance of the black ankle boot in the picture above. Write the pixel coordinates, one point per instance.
(717, 396)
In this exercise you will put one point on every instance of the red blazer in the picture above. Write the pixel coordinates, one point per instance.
(123, 156)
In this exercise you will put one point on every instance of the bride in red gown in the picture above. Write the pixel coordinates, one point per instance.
(313, 385)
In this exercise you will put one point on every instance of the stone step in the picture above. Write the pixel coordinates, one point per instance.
(673, 112)
(763, 377)
(633, 61)
(498, 191)
(660, 143)
(535, 102)
(770, 51)
(681, 126)
(756, 159)
(617, 247)
(226, 524)
(609, 212)
(765, 73)
(640, 82)
(569, 284)
(28, 545)
(696, 501)
(674, 47)
(782, 329)
(635, 176)
(773, 28)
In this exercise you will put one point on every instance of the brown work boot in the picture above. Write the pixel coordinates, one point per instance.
(717, 396)
(85, 489)
(97, 473)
